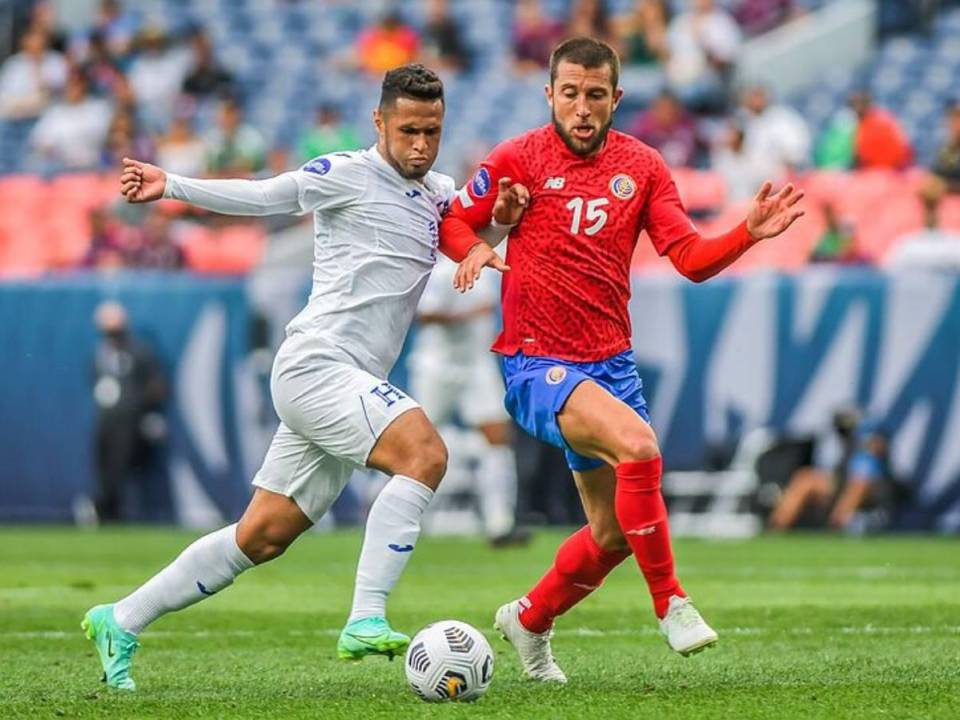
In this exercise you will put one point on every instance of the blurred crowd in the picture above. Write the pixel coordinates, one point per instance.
(128, 86)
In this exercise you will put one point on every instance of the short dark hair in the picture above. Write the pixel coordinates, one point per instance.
(588, 52)
(410, 81)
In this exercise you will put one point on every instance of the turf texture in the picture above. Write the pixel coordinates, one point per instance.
(810, 627)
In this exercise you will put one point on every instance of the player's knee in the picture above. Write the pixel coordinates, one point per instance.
(637, 444)
(264, 542)
(429, 464)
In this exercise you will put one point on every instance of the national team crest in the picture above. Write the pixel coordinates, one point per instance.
(556, 375)
(623, 186)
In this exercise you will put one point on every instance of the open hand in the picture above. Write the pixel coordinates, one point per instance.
(770, 215)
(512, 200)
(480, 256)
(141, 182)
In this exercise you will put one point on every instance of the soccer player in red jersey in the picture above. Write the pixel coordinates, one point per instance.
(578, 194)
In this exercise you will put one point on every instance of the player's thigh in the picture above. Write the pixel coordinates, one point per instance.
(339, 407)
(597, 424)
(597, 490)
(411, 446)
(298, 471)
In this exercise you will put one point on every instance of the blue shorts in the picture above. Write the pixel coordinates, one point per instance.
(538, 388)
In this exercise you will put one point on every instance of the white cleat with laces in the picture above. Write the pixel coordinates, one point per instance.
(533, 648)
(684, 630)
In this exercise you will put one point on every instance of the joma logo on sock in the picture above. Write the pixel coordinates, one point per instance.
(201, 588)
(400, 548)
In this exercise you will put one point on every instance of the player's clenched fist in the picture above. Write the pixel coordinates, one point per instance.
(512, 200)
(141, 182)
(480, 256)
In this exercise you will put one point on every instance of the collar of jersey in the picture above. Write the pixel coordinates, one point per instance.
(374, 152)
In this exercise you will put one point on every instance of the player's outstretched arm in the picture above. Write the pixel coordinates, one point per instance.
(142, 182)
(770, 215)
(698, 258)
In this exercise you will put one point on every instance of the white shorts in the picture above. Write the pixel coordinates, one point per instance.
(332, 415)
(474, 392)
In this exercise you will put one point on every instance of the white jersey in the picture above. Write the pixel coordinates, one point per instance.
(375, 243)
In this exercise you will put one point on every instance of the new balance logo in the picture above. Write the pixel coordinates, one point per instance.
(554, 183)
(400, 548)
(642, 531)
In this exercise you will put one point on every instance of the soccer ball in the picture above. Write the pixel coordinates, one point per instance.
(449, 660)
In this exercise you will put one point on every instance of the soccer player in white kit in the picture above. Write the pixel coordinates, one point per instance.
(453, 373)
(376, 218)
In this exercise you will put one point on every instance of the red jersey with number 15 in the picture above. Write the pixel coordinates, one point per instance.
(567, 292)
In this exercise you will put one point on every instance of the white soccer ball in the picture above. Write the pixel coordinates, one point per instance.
(449, 660)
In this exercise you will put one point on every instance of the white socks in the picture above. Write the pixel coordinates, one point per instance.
(393, 527)
(208, 565)
(498, 489)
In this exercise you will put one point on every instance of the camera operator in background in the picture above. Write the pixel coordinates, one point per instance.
(129, 391)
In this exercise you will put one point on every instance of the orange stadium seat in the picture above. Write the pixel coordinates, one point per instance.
(700, 190)
(232, 249)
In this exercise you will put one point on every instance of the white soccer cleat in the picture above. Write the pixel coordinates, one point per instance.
(533, 648)
(684, 629)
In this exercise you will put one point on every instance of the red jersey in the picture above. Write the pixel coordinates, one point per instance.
(567, 292)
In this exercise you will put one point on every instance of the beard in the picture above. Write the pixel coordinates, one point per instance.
(578, 147)
(404, 172)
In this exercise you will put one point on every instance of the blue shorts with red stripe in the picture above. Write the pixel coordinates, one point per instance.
(538, 388)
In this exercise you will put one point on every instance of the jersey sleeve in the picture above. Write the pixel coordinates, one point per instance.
(666, 220)
(474, 202)
(330, 181)
(472, 207)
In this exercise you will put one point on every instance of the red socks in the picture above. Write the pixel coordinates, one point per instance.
(642, 515)
(579, 569)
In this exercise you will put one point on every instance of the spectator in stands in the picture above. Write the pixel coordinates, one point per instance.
(234, 148)
(851, 474)
(156, 75)
(118, 27)
(71, 133)
(207, 78)
(838, 244)
(181, 151)
(759, 16)
(155, 248)
(107, 242)
(641, 34)
(880, 142)
(836, 145)
(328, 134)
(590, 18)
(443, 46)
(743, 172)
(129, 391)
(932, 248)
(777, 134)
(703, 43)
(43, 17)
(534, 36)
(944, 175)
(669, 128)
(100, 68)
(30, 78)
(391, 42)
(124, 139)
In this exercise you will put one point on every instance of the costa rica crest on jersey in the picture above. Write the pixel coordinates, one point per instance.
(623, 186)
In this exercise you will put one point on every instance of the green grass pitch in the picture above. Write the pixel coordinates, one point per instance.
(810, 627)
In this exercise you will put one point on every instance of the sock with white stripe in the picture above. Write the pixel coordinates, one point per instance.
(204, 568)
(393, 527)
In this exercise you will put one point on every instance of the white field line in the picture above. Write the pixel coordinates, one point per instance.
(570, 632)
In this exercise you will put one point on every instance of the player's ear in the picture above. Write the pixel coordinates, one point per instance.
(617, 97)
(378, 122)
(548, 91)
